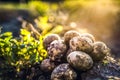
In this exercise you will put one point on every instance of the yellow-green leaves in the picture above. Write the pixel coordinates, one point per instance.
(24, 32)
(57, 29)
(26, 49)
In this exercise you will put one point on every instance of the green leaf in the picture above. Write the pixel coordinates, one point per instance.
(24, 32)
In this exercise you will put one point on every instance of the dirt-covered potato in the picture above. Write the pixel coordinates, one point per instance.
(47, 65)
(69, 35)
(63, 72)
(90, 36)
(81, 44)
(100, 50)
(48, 39)
(80, 60)
(57, 50)
(68, 52)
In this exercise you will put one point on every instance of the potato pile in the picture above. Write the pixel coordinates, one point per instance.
(75, 51)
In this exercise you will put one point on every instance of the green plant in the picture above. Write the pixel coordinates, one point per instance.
(48, 26)
(21, 52)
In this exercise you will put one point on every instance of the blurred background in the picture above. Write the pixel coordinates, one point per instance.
(98, 17)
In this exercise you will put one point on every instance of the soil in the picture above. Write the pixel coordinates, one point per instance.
(104, 71)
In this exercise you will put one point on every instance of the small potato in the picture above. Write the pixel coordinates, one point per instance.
(63, 72)
(100, 50)
(68, 52)
(47, 65)
(57, 50)
(80, 60)
(48, 39)
(81, 44)
(90, 36)
(69, 35)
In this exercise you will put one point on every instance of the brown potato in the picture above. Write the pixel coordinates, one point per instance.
(47, 65)
(100, 50)
(69, 35)
(48, 39)
(80, 60)
(81, 44)
(63, 72)
(57, 50)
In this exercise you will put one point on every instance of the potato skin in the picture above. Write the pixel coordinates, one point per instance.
(80, 60)
(81, 44)
(100, 50)
(57, 50)
(63, 72)
(48, 39)
(69, 35)
(90, 36)
(47, 65)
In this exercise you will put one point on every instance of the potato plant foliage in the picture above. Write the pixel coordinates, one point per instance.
(20, 52)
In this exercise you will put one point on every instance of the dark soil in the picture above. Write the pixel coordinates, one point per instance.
(104, 71)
